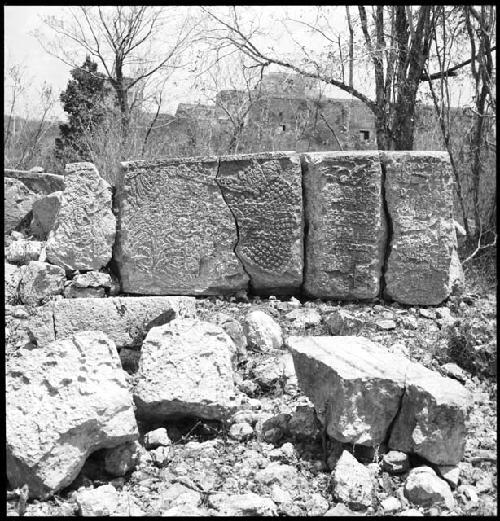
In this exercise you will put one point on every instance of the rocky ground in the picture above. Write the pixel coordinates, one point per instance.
(273, 459)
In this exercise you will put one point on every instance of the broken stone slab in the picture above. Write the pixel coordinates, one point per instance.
(126, 320)
(45, 210)
(24, 251)
(185, 370)
(63, 403)
(40, 280)
(264, 193)
(18, 203)
(84, 231)
(422, 265)
(37, 182)
(177, 235)
(432, 420)
(345, 243)
(355, 385)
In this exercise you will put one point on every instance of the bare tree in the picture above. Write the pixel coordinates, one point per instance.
(122, 40)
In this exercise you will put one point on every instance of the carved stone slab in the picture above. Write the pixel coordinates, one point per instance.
(176, 234)
(422, 252)
(264, 193)
(346, 234)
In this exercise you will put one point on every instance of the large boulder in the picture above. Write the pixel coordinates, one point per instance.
(45, 211)
(432, 420)
(63, 403)
(85, 227)
(18, 203)
(346, 237)
(185, 370)
(422, 266)
(125, 320)
(40, 280)
(264, 193)
(177, 235)
(355, 385)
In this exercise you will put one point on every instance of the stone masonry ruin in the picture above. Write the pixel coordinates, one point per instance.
(336, 225)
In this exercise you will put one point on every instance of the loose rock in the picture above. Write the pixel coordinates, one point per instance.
(101, 501)
(45, 211)
(24, 251)
(395, 462)
(157, 438)
(40, 280)
(262, 331)
(423, 487)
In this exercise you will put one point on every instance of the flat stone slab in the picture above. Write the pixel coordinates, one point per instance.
(63, 403)
(38, 182)
(346, 236)
(355, 384)
(185, 370)
(176, 233)
(84, 230)
(264, 193)
(422, 263)
(125, 320)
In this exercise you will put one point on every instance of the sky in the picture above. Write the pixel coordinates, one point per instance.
(22, 48)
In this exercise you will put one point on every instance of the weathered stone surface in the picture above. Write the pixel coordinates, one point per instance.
(92, 279)
(355, 385)
(345, 243)
(421, 265)
(235, 330)
(423, 487)
(18, 203)
(432, 419)
(85, 227)
(126, 320)
(63, 403)
(37, 182)
(100, 501)
(249, 504)
(262, 331)
(264, 193)
(303, 318)
(28, 328)
(40, 280)
(12, 280)
(177, 235)
(71, 291)
(45, 211)
(185, 370)
(352, 482)
(23, 251)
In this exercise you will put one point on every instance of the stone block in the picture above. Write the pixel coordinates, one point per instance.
(18, 203)
(177, 235)
(422, 266)
(264, 193)
(346, 238)
(45, 211)
(125, 320)
(84, 231)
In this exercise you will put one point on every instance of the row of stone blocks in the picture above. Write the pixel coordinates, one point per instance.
(339, 225)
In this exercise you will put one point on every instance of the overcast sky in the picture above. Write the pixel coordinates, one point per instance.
(21, 47)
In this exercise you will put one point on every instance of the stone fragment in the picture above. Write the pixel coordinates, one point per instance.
(304, 317)
(422, 264)
(262, 331)
(84, 231)
(450, 473)
(63, 403)
(71, 291)
(18, 203)
(240, 431)
(177, 233)
(157, 438)
(100, 501)
(341, 510)
(345, 243)
(120, 460)
(423, 487)
(178, 494)
(341, 322)
(235, 330)
(278, 495)
(454, 371)
(303, 423)
(390, 505)
(92, 279)
(185, 370)
(352, 482)
(40, 280)
(432, 419)
(316, 505)
(269, 373)
(264, 193)
(126, 320)
(355, 385)
(385, 324)
(12, 280)
(45, 210)
(395, 462)
(24, 251)
(411, 512)
(38, 182)
(161, 456)
(275, 472)
(249, 504)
